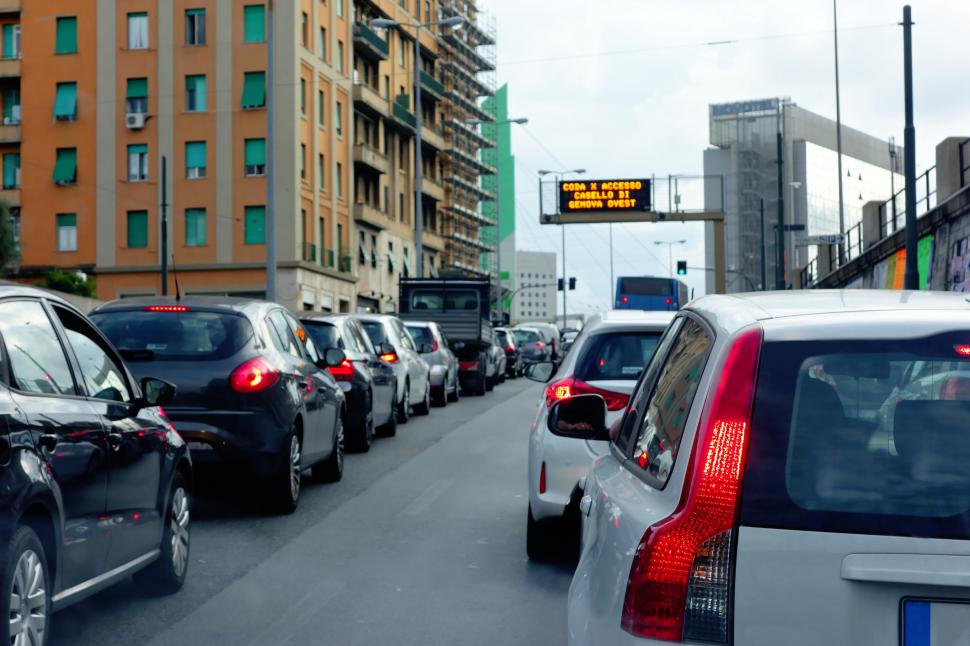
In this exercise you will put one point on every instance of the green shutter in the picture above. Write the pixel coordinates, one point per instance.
(255, 152)
(254, 23)
(66, 36)
(8, 41)
(254, 90)
(11, 164)
(303, 96)
(196, 84)
(137, 229)
(11, 99)
(255, 225)
(195, 154)
(65, 168)
(138, 149)
(137, 88)
(195, 227)
(65, 102)
(66, 220)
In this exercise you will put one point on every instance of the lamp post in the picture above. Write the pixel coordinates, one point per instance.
(565, 280)
(498, 207)
(791, 234)
(385, 23)
(670, 252)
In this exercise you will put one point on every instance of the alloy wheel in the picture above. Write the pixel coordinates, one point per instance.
(180, 531)
(340, 447)
(295, 469)
(28, 601)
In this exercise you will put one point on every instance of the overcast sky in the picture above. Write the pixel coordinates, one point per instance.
(593, 103)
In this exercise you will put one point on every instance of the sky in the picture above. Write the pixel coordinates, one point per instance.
(622, 87)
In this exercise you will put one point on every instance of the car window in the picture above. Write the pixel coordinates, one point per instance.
(375, 331)
(142, 335)
(421, 334)
(282, 337)
(658, 440)
(101, 372)
(428, 300)
(406, 339)
(37, 359)
(525, 336)
(616, 356)
(325, 335)
(363, 341)
(297, 330)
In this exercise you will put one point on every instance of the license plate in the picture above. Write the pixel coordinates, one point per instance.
(927, 622)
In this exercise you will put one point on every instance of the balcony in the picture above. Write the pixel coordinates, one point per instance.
(346, 263)
(10, 134)
(11, 196)
(9, 68)
(368, 43)
(369, 214)
(432, 137)
(369, 100)
(309, 252)
(432, 86)
(367, 155)
(10, 6)
(433, 189)
(402, 114)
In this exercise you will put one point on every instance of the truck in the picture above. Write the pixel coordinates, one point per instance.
(461, 308)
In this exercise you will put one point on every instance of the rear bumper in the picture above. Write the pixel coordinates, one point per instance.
(255, 439)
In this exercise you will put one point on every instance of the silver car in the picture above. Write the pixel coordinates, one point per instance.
(783, 475)
(550, 336)
(443, 362)
(396, 347)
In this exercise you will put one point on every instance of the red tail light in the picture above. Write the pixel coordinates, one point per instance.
(467, 365)
(679, 585)
(542, 478)
(624, 299)
(571, 386)
(344, 371)
(540, 345)
(963, 350)
(166, 308)
(669, 301)
(434, 346)
(253, 376)
(509, 351)
(390, 357)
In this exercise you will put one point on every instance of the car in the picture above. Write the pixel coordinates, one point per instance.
(499, 360)
(96, 485)
(532, 349)
(396, 347)
(443, 362)
(568, 338)
(367, 381)
(606, 359)
(758, 490)
(513, 363)
(550, 336)
(252, 391)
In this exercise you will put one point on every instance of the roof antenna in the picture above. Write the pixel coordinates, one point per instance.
(175, 277)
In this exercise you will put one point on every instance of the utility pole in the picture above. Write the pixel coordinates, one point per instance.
(838, 131)
(780, 229)
(418, 161)
(911, 278)
(270, 157)
(612, 281)
(164, 235)
(764, 259)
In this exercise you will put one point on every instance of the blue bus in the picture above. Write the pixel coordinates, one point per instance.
(650, 293)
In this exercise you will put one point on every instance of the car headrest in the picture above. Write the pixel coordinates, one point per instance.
(936, 425)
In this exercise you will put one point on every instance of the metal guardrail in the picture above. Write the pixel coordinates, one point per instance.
(809, 273)
(964, 152)
(853, 242)
(892, 212)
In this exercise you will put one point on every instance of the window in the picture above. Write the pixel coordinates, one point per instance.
(138, 30)
(340, 119)
(171, 336)
(65, 102)
(281, 335)
(340, 8)
(195, 93)
(195, 26)
(137, 229)
(323, 44)
(136, 96)
(340, 180)
(406, 264)
(11, 106)
(255, 225)
(195, 159)
(340, 56)
(11, 170)
(255, 157)
(303, 162)
(138, 163)
(669, 405)
(304, 29)
(303, 96)
(254, 90)
(325, 335)
(373, 251)
(195, 228)
(387, 87)
(37, 360)
(65, 41)
(321, 107)
(65, 166)
(390, 257)
(400, 206)
(401, 50)
(617, 356)
(254, 23)
(101, 374)
(11, 41)
(321, 169)
(66, 231)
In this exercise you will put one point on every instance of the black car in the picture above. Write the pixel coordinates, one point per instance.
(367, 381)
(513, 356)
(95, 483)
(252, 389)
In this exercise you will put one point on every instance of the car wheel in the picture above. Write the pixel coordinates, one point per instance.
(404, 406)
(332, 469)
(441, 397)
(425, 406)
(28, 588)
(167, 574)
(455, 394)
(538, 542)
(388, 429)
(489, 383)
(285, 485)
(364, 434)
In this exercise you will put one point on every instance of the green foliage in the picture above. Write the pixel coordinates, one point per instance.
(69, 282)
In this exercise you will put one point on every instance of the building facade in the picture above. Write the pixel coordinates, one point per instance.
(501, 210)
(745, 154)
(534, 298)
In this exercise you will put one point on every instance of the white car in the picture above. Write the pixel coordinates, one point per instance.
(398, 348)
(743, 501)
(606, 358)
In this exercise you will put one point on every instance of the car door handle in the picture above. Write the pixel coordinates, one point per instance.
(917, 569)
(585, 504)
(48, 441)
(114, 440)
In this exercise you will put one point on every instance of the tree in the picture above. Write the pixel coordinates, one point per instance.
(9, 253)
(69, 282)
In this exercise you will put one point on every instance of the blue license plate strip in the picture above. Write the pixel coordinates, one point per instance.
(919, 628)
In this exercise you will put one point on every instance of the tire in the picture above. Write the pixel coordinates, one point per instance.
(332, 469)
(389, 428)
(489, 383)
(403, 411)
(442, 397)
(538, 542)
(364, 434)
(25, 557)
(455, 395)
(284, 486)
(167, 574)
(424, 407)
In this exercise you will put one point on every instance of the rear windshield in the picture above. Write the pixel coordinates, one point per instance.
(324, 335)
(862, 437)
(502, 336)
(375, 330)
(175, 336)
(421, 334)
(427, 299)
(525, 336)
(617, 356)
(642, 286)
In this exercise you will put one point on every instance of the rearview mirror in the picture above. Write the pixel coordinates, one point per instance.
(582, 417)
(156, 392)
(541, 371)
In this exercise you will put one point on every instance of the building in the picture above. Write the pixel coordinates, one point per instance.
(534, 297)
(501, 184)
(744, 154)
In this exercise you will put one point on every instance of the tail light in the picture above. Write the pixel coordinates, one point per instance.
(570, 386)
(166, 308)
(542, 478)
(509, 351)
(344, 371)
(679, 585)
(253, 376)
(540, 345)
(468, 365)
(434, 346)
(624, 299)
(390, 357)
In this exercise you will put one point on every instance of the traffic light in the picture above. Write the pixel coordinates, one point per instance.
(560, 285)
(572, 283)
(681, 267)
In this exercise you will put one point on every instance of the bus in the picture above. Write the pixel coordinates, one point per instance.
(650, 293)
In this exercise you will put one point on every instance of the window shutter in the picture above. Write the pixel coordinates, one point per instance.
(66, 37)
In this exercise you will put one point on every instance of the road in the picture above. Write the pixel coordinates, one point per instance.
(423, 542)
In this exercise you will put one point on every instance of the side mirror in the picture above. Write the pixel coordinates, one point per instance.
(458, 345)
(333, 357)
(426, 348)
(156, 392)
(582, 417)
(541, 371)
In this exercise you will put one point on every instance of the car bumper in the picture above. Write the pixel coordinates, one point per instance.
(253, 438)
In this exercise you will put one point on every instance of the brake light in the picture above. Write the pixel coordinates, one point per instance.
(542, 478)
(253, 376)
(624, 299)
(540, 345)
(468, 365)
(679, 585)
(166, 308)
(570, 387)
(344, 371)
(962, 350)
(390, 357)
(509, 350)
(434, 346)
(669, 301)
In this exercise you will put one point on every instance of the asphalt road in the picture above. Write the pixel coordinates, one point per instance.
(422, 542)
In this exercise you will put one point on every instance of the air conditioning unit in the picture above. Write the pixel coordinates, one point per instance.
(135, 120)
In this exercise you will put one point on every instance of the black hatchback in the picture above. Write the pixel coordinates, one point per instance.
(252, 389)
(95, 483)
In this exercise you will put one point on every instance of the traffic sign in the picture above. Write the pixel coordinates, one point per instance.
(604, 195)
(830, 238)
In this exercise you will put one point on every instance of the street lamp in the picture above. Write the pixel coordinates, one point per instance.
(498, 208)
(791, 233)
(565, 281)
(670, 252)
(386, 23)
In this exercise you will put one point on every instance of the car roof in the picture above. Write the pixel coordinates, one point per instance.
(233, 303)
(21, 291)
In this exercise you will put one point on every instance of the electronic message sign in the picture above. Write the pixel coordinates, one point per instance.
(604, 195)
